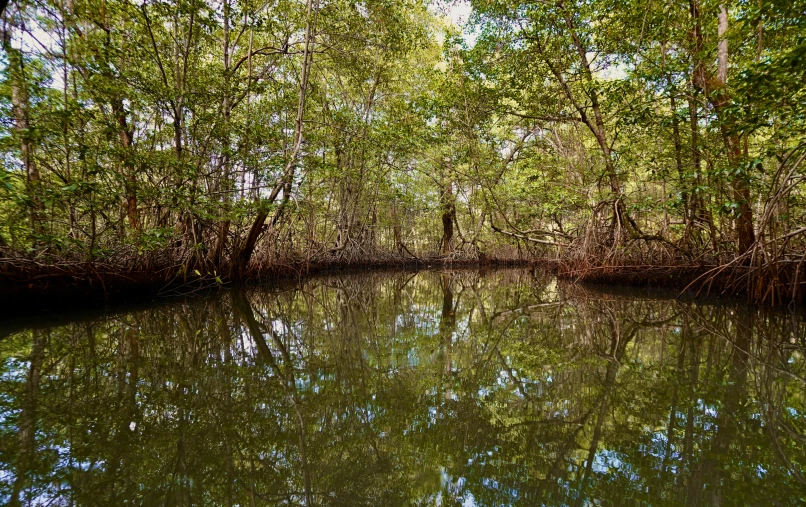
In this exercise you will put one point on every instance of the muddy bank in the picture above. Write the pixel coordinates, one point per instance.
(672, 277)
(42, 287)
(757, 284)
(45, 288)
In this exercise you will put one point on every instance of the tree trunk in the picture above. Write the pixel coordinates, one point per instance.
(678, 148)
(695, 157)
(214, 255)
(722, 48)
(126, 138)
(720, 99)
(20, 107)
(745, 232)
(448, 206)
(396, 229)
(595, 124)
(126, 135)
(248, 246)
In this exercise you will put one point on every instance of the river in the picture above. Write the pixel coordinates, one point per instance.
(438, 388)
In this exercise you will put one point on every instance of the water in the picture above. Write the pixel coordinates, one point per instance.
(403, 389)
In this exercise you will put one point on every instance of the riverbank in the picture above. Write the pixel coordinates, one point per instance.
(28, 283)
(765, 284)
(25, 283)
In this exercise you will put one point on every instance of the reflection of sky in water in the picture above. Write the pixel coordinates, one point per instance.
(391, 396)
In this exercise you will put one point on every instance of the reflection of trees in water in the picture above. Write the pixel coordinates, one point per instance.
(383, 389)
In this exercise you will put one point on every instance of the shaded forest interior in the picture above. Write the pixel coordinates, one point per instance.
(147, 144)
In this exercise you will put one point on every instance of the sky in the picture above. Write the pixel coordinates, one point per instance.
(459, 11)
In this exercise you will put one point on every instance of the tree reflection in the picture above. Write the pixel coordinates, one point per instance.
(437, 388)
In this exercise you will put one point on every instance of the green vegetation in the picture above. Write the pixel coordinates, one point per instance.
(227, 139)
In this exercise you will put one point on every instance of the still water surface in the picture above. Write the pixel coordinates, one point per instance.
(459, 388)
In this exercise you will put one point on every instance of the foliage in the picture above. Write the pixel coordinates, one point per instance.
(583, 131)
